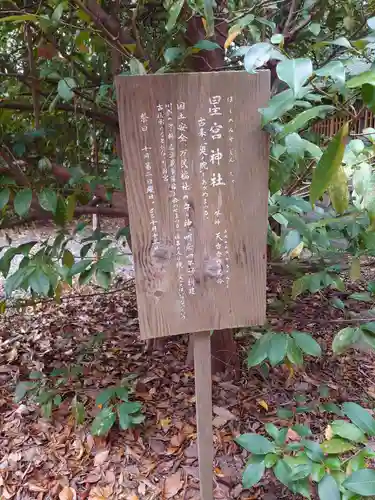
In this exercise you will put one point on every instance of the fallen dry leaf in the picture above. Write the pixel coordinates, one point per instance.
(101, 458)
(67, 493)
(292, 435)
(328, 433)
(172, 485)
(223, 413)
(263, 404)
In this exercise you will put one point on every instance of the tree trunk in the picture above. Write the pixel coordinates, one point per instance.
(224, 348)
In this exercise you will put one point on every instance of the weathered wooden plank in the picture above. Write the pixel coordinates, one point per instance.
(196, 166)
(203, 391)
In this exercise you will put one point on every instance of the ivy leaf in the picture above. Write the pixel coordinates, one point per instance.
(22, 201)
(328, 489)
(307, 344)
(173, 54)
(295, 72)
(255, 443)
(253, 474)
(329, 164)
(103, 422)
(4, 197)
(360, 417)
(277, 348)
(48, 200)
(361, 482)
(65, 88)
(344, 339)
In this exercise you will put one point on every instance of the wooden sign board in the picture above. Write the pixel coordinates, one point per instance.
(196, 168)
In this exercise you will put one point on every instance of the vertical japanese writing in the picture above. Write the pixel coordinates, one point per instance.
(174, 133)
(231, 134)
(146, 150)
(182, 129)
(163, 152)
(226, 259)
(203, 163)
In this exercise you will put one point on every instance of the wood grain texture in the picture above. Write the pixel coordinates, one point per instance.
(237, 211)
(203, 391)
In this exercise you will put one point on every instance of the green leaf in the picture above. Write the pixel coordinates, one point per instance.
(361, 79)
(173, 14)
(206, 45)
(272, 430)
(68, 259)
(347, 430)
(315, 28)
(368, 95)
(294, 353)
(19, 18)
(329, 164)
(48, 200)
(130, 407)
(332, 408)
(361, 296)
(79, 267)
(253, 474)
(270, 460)
(259, 351)
(307, 343)
(334, 70)
(302, 430)
(328, 489)
(258, 54)
(103, 422)
(282, 472)
(39, 282)
(209, 16)
(344, 339)
(65, 88)
(60, 215)
(136, 67)
(255, 443)
(173, 54)
(336, 446)
(295, 72)
(338, 191)
(291, 240)
(317, 472)
(103, 278)
(313, 450)
(360, 417)
(277, 38)
(105, 395)
(301, 120)
(4, 197)
(277, 348)
(70, 207)
(22, 201)
(361, 482)
(57, 13)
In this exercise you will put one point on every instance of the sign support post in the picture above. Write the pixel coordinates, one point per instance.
(203, 392)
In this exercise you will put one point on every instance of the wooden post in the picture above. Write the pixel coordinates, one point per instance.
(203, 391)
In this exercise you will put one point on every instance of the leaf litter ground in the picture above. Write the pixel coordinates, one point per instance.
(48, 459)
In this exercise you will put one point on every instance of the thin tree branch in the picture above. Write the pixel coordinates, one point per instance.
(102, 117)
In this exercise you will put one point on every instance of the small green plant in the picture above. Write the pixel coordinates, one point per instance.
(48, 390)
(337, 467)
(275, 347)
(114, 404)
